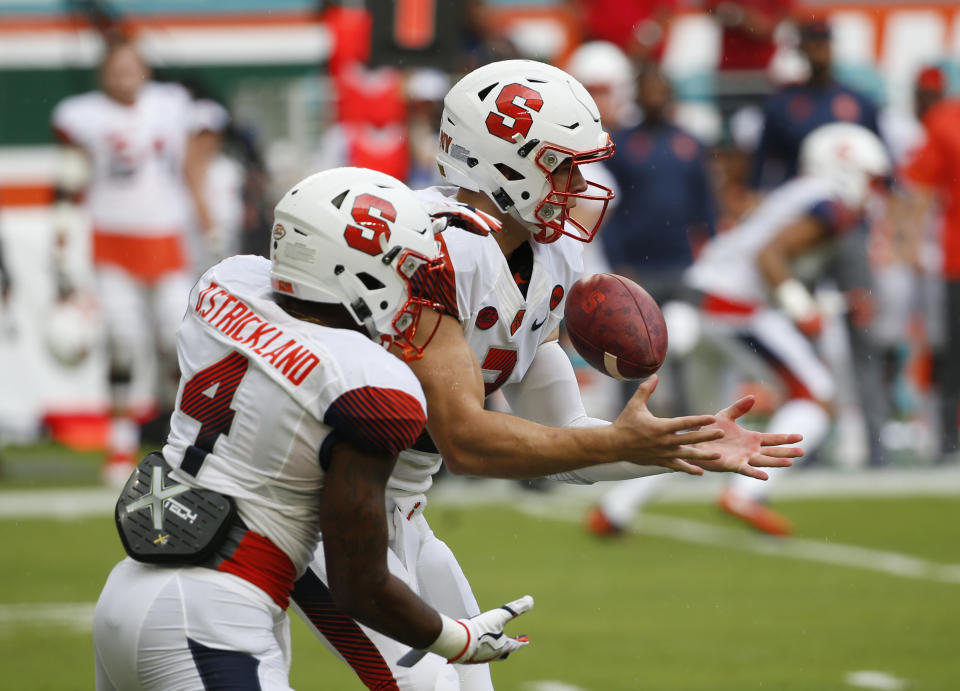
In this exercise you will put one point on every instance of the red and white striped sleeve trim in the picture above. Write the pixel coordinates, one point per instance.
(387, 420)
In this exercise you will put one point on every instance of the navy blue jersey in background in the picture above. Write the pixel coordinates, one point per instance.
(664, 195)
(794, 112)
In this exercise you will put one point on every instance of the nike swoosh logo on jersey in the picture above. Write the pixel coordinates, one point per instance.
(536, 325)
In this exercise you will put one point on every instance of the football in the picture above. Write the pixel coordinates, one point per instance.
(616, 326)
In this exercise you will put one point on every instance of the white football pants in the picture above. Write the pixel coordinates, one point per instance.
(159, 628)
(141, 322)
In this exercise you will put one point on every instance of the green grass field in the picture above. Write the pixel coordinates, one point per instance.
(712, 607)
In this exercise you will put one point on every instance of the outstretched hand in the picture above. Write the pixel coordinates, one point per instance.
(744, 451)
(676, 443)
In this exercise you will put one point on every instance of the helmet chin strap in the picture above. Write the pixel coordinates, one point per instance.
(357, 306)
(538, 231)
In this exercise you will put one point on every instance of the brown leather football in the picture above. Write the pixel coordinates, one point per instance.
(616, 326)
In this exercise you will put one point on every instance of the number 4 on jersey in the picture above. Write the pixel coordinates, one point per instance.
(207, 398)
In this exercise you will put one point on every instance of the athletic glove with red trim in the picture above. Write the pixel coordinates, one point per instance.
(478, 639)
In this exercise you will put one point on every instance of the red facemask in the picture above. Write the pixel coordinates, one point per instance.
(554, 211)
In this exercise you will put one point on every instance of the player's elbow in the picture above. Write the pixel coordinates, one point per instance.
(458, 460)
(357, 595)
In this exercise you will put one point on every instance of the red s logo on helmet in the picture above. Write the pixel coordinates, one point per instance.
(366, 237)
(516, 113)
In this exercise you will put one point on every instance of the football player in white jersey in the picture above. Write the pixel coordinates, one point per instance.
(513, 137)
(762, 322)
(288, 421)
(136, 137)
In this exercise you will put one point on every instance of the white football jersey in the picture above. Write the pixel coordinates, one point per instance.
(136, 155)
(727, 267)
(262, 393)
(502, 327)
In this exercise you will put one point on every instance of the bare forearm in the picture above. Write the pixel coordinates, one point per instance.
(774, 265)
(491, 444)
(354, 527)
(395, 611)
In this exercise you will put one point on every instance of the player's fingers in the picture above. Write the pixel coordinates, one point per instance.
(760, 460)
(783, 451)
(683, 467)
(738, 408)
(694, 453)
(520, 605)
(779, 439)
(697, 436)
(750, 471)
(646, 388)
(692, 422)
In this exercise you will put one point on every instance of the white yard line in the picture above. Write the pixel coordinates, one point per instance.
(567, 503)
(77, 616)
(60, 504)
(698, 532)
(871, 679)
(81, 502)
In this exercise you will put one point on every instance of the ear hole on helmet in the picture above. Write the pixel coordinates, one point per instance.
(338, 200)
(370, 282)
(482, 94)
(508, 172)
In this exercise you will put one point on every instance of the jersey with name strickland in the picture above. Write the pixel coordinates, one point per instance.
(262, 396)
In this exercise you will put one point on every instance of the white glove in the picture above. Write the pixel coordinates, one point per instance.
(481, 638)
(798, 304)
(447, 213)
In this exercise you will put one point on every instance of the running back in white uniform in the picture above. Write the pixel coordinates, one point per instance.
(727, 267)
(504, 329)
(262, 395)
(738, 301)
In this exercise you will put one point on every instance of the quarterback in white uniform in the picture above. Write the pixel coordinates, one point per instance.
(514, 135)
(757, 313)
(290, 414)
(136, 138)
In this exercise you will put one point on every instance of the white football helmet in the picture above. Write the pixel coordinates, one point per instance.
(357, 238)
(71, 330)
(602, 65)
(506, 129)
(848, 155)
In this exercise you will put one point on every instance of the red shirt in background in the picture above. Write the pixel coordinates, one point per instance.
(936, 165)
(742, 49)
(618, 21)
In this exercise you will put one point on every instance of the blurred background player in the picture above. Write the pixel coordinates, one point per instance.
(512, 250)
(221, 179)
(136, 137)
(795, 110)
(666, 210)
(425, 89)
(759, 316)
(789, 115)
(302, 435)
(934, 168)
